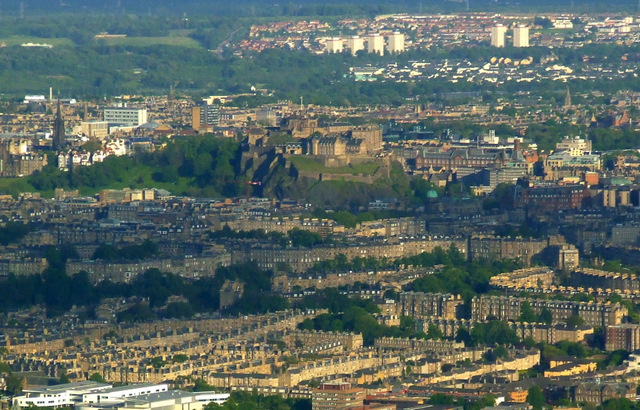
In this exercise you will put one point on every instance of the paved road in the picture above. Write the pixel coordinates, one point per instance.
(227, 41)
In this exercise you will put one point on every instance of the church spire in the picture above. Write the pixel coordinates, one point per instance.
(567, 99)
(58, 129)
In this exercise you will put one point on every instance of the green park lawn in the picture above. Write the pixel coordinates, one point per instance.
(152, 41)
(308, 164)
(18, 40)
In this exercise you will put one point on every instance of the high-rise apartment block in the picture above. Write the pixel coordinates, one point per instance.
(355, 44)
(521, 36)
(204, 114)
(334, 45)
(375, 44)
(497, 35)
(396, 43)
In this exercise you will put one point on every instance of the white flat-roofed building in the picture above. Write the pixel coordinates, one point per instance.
(116, 394)
(173, 400)
(60, 395)
(34, 98)
(133, 117)
(166, 400)
(218, 398)
(575, 146)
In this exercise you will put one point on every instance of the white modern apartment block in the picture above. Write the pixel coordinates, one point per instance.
(132, 117)
(355, 44)
(396, 43)
(334, 45)
(575, 146)
(375, 44)
(521, 36)
(497, 35)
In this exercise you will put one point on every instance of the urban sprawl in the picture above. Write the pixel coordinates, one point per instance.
(478, 249)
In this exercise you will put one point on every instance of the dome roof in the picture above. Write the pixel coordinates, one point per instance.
(150, 125)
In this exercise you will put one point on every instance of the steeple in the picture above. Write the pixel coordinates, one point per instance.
(567, 99)
(58, 129)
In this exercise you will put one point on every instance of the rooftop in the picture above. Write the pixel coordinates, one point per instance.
(77, 387)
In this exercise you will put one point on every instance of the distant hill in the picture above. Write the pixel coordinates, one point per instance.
(297, 8)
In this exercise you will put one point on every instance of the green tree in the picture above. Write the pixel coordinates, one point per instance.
(97, 377)
(304, 238)
(64, 378)
(535, 397)
(462, 335)
(5, 367)
(179, 358)
(545, 316)
(619, 404)
(575, 322)
(441, 399)
(14, 384)
(544, 22)
(527, 314)
(433, 332)
(157, 362)
(202, 164)
(201, 385)
(495, 332)
(488, 400)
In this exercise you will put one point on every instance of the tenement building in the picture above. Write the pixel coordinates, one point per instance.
(510, 308)
(302, 259)
(622, 337)
(593, 278)
(430, 305)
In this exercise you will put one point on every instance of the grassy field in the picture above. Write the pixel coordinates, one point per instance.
(140, 177)
(13, 186)
(151, 41)
(18, 40)
(182, 32)
(178, 38)
(308, 164)
(551, 31)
